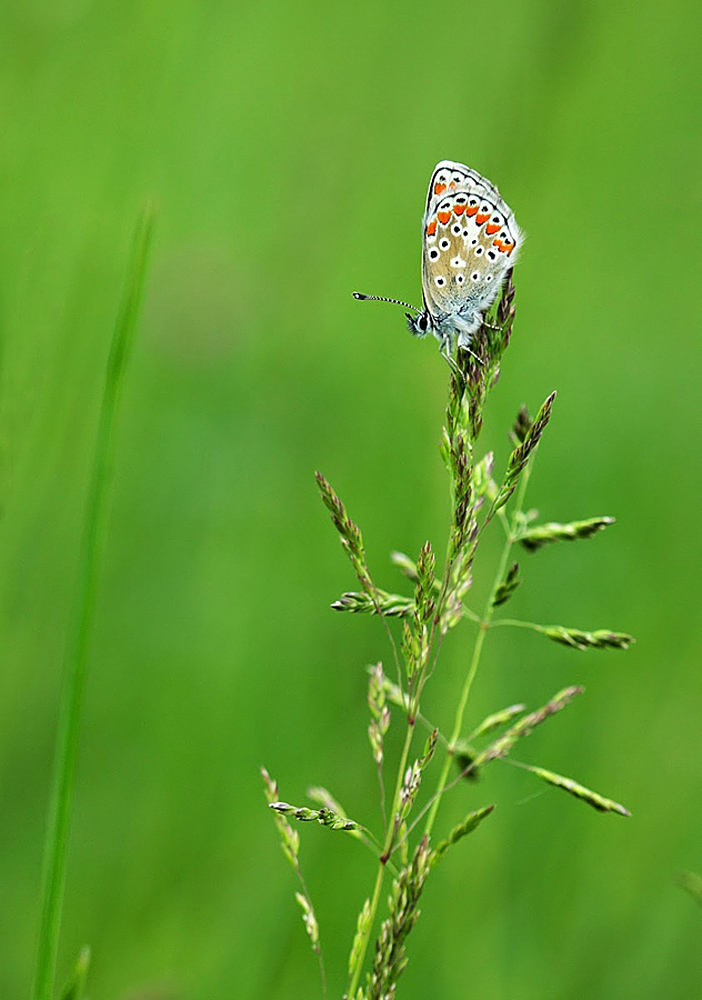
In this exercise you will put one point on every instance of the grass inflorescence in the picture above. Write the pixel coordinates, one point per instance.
(438, 603)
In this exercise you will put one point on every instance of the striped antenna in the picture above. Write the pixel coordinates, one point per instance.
(381, 298)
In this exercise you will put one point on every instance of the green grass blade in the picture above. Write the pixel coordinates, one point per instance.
(67, 739)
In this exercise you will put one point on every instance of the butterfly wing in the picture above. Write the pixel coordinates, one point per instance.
(470, 242)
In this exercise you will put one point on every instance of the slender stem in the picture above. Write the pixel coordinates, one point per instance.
(469, 613)
(467, 685)
(318, 949)
(386, 626)
(435, 797)
(477, 650)
(484, 624)
(422, 719)
(389, 837)
(322, 972)
(443, 590)
(381, 786)
(76, 655)
(516, 623)
(504, 520)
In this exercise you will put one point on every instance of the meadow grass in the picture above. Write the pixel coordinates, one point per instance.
(78, 643)
(438, 604)
(250, 369)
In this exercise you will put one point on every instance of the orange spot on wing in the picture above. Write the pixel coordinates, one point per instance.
(503, 246)
(439, 188)
(471, 209)
(480, 219)
(492, 228)
(443, 217)
(431, 228)
(459, 209)
(452, 186)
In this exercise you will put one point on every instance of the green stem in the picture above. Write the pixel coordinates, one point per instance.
(412, 714)
(477, 650)
(70, 710)
(516, 623)
(387, 846)
(467, 685)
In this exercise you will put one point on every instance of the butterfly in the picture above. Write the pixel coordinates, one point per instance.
(470, 242)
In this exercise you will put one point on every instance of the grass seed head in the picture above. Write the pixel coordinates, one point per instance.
(533, 538)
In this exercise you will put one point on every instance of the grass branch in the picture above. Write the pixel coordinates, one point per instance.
(477, 652)
(436, 607)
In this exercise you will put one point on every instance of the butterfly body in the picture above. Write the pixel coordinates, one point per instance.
(470, 241)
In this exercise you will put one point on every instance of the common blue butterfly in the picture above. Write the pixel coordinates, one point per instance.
(470, 241)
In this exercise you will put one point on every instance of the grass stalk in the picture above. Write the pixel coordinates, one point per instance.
(477, 651)
(78, 641)
(375, 899)
(484, 623)
(438, 605)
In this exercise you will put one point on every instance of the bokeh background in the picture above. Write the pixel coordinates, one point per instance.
(289, 147)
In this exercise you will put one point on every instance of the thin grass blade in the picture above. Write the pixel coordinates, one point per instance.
(77, 646)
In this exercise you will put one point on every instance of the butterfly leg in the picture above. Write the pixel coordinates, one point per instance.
(464, 340)
(467, 349)
(445, 351)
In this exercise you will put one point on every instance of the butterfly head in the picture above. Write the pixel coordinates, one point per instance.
(420, 325)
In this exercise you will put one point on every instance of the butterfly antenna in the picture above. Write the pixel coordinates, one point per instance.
(381, 298)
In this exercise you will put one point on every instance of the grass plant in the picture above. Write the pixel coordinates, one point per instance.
(407, 845)
(78, 643)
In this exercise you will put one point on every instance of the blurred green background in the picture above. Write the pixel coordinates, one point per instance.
(289, 147)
